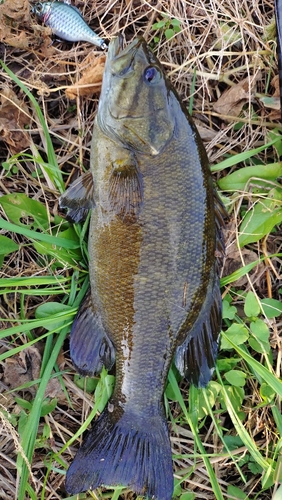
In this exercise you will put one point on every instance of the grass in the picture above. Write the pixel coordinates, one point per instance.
(226, 438)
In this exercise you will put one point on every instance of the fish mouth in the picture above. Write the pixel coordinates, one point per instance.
(120, 57)
(116, 46)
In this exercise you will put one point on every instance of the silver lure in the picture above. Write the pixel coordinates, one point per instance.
(66, 22)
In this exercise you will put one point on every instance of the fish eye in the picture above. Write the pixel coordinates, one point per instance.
(38, 7)
(151, 74)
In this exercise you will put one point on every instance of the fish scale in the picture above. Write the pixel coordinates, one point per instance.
(67, 22)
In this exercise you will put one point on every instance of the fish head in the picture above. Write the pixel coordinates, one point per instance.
(136, 102)
(41, 9)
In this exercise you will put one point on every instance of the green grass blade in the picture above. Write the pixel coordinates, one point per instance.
(241, 431)
(191, 422)
(257, 367)
(30, 432)
(220, 434)
(32, 281)
(37, 323)
(245, 270)
(35, 236)
(53, 169)
(241, 157)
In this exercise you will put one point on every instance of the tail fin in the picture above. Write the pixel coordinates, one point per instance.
(124, 450)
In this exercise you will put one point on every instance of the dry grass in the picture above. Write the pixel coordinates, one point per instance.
(221, 43)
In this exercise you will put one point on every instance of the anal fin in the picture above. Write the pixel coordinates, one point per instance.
(78, 198)
(195, 358)
(90, 347)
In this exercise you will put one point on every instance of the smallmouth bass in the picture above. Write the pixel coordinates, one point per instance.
(154, 247)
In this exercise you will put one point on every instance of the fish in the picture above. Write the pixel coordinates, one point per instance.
(66, 22)
(155, 251)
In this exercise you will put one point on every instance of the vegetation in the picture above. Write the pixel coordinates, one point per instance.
(226, 438)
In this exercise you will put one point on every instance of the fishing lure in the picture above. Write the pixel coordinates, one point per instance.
(66, 22)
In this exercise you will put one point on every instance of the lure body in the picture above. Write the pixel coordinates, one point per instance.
(67, 22)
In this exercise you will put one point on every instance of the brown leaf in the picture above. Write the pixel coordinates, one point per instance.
(275, 114)
(53, 389)
(91, 79)
(15, 10)
(275, 82)
(195, 11)
(25, 367)
(19, 41)
(12, 14)
(232, 100)
(13, 118)
(61, 360)
(234, 262)
(22, 368)
(207, 134)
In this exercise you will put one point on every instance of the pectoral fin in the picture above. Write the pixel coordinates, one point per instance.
(126, 189)
(78, 198)
(195, 358)
(90, 347)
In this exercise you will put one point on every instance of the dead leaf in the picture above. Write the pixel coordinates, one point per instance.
(14, 13)
(25, 367)
(13, 118)
(275, 114)
(207, 134)
(22, 368)
(42, 42)
(91, 80)
(61, 360)
(232, 100)
(15, 10)
(270, 102)
(195, 12)
(275, 83)
(273, 101)
(53, 389)
(19, 41)
(234, 262)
